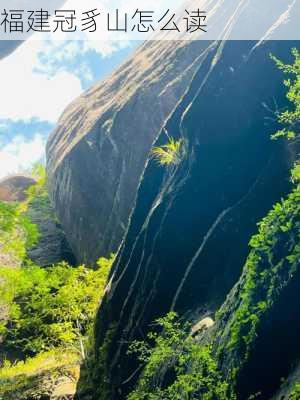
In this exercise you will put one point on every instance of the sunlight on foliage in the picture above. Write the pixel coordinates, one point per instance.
(168, 154)
(33, 365)
(52, 307)
(174, 353)
(295, 395)
(290, 119)
(264, 271)
(30, 378)
(296, 173)
(17, 233)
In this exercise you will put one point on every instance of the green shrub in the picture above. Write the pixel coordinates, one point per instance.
(175, 353)
(37, 375)
(17, 233)
(53, 307)
(290, 119)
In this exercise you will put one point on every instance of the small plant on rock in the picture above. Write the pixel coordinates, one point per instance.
(170, 153)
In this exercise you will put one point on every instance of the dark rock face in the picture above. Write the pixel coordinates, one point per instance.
(99, 149)
(13, 188)
(189, 233)
(52, 246)
(288, 388)
(258, 326)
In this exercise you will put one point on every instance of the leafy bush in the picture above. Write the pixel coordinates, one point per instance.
(31, 366)
(176, 367)
(17, 233)
(38, 193)
(53, 307)
(38, 375)
(290, 119)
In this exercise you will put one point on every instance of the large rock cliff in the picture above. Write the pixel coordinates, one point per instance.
(259, 324)
(189, 233)
(99, 149)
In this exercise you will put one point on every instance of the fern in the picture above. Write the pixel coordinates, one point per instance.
(168, 154)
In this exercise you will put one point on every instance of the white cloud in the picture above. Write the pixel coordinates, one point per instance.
(31, 90)
(27, 94)
(20, 154)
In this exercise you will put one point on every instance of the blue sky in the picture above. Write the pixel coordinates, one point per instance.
(40, 79)
(37, 82)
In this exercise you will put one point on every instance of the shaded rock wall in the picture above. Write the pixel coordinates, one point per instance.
(290, 386)
(52, 246)
(189, 233)
(258, 326)
(98, 151)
